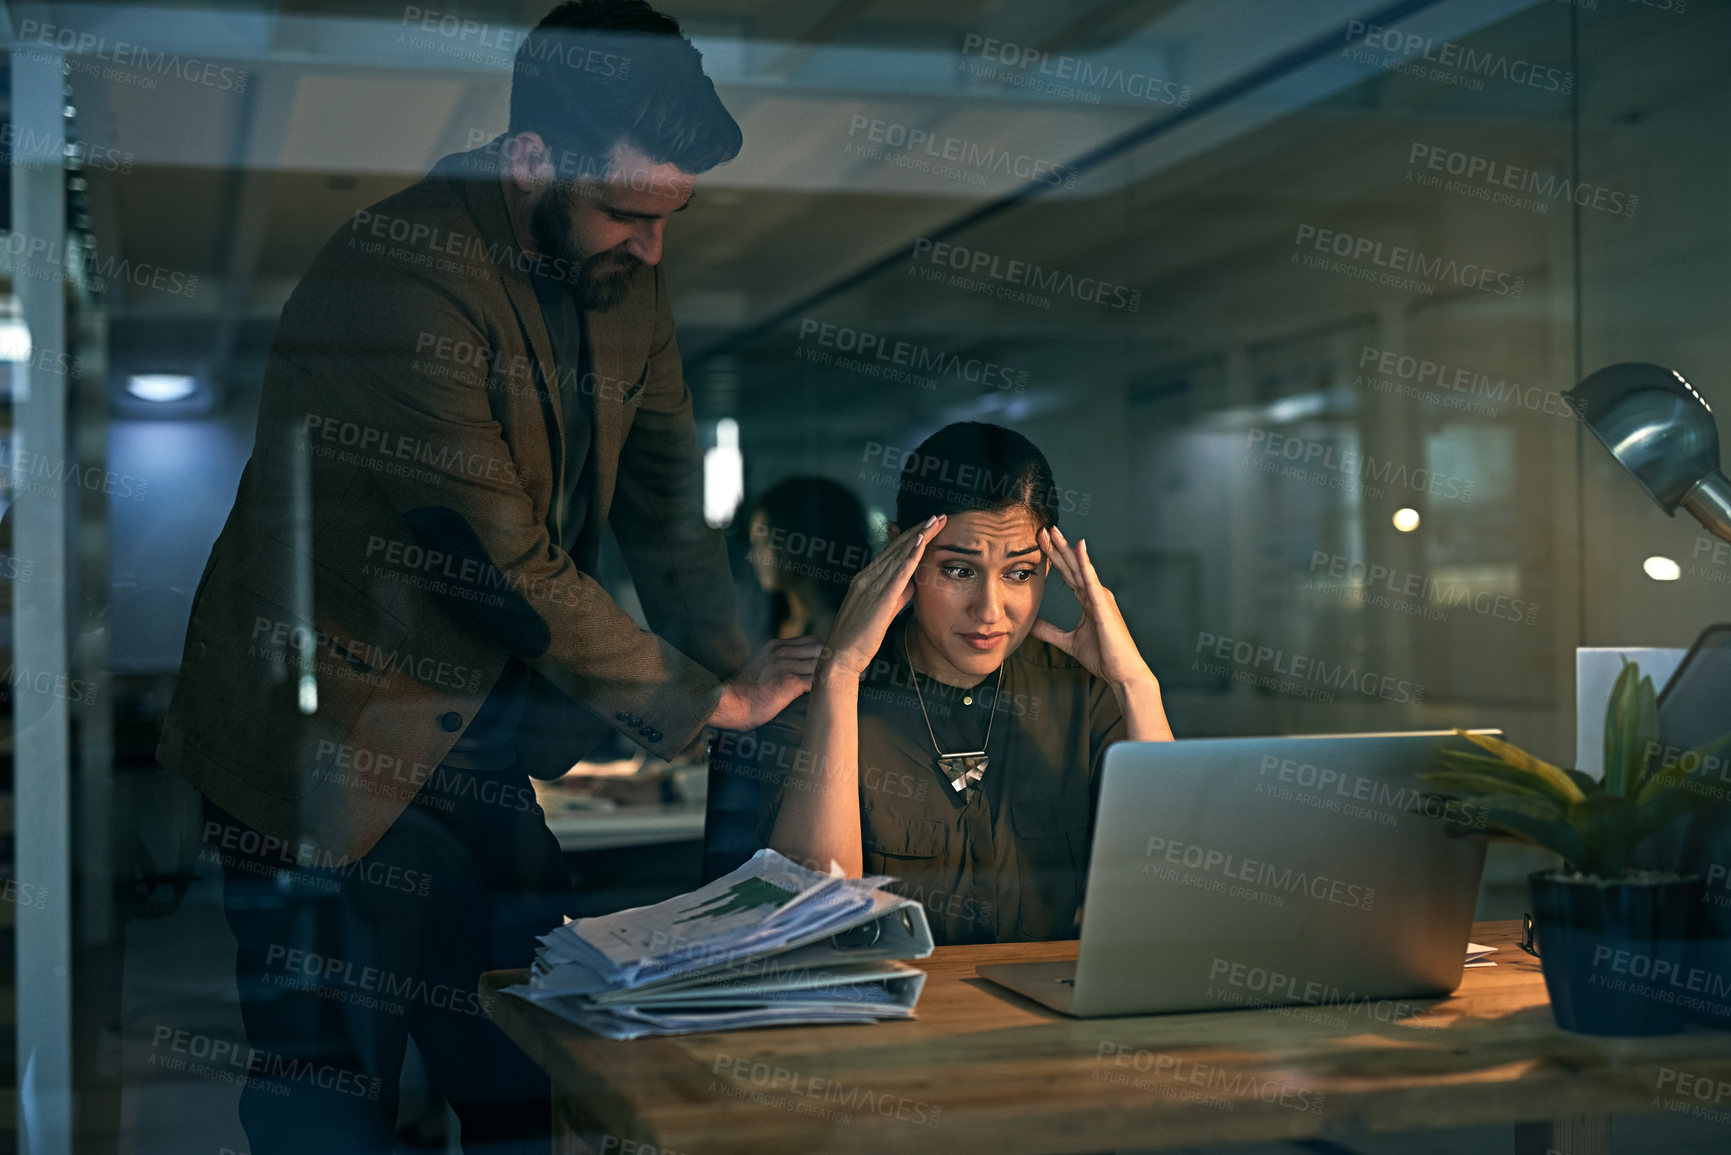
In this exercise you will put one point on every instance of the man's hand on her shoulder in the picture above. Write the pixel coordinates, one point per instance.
(775, 676)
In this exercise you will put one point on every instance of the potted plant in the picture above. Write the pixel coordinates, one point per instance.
(1612, 939)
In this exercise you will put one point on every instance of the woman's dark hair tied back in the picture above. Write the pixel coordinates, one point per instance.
(972, 465)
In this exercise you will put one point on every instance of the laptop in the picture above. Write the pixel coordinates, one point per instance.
(1244, 872)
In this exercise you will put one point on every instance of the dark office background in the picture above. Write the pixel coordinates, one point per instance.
(1202, 328)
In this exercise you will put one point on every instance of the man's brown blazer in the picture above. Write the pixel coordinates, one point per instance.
(395, 537)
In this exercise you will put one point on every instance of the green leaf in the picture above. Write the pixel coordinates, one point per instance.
(1677, 769)
(1530, 820)
(1608, 825)
(1641, 738)
(1617, 710)
(1560, 782)
(1659, 806)
(1678, 787)
(1467, 783)
(1516, 778)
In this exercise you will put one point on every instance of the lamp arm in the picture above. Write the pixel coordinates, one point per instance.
(1710, 502)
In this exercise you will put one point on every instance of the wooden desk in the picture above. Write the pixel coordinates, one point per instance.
(985, 1070)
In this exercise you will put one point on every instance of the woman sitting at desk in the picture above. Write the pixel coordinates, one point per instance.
(957, 746)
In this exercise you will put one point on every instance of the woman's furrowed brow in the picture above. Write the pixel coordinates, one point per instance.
(966, 551)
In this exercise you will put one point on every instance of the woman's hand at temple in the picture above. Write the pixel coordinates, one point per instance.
(1101, 641)
(819, 822)
(874, 598)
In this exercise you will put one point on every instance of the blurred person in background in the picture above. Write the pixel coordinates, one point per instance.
(809, 536)
(805, 539)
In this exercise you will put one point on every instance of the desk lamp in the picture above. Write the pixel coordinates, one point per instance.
(1662, 432)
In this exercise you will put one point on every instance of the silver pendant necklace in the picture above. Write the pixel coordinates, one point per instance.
(963, 766)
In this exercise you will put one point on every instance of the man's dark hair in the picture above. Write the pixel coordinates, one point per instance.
(595, 72)
(975, 466)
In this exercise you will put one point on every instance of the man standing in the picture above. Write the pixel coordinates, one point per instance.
(398, 624)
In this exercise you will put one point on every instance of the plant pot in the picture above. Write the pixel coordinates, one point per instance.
(1615, 952)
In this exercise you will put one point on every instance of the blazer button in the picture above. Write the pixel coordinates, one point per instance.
(652, 735)
(634, 720)
(623, 717)
(451, 721)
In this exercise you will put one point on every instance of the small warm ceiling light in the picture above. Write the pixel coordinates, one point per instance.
(1662, 569)
(162, 386)
(1406, 520)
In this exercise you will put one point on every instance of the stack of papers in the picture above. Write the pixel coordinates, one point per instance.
(770, 944)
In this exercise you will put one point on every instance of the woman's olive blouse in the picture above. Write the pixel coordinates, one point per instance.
(1005, 860)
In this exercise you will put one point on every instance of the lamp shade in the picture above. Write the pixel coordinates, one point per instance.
(1662, 431)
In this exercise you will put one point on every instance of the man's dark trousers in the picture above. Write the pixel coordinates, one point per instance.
(460, 884)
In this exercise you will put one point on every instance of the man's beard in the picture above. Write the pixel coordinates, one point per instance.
(598, 282)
